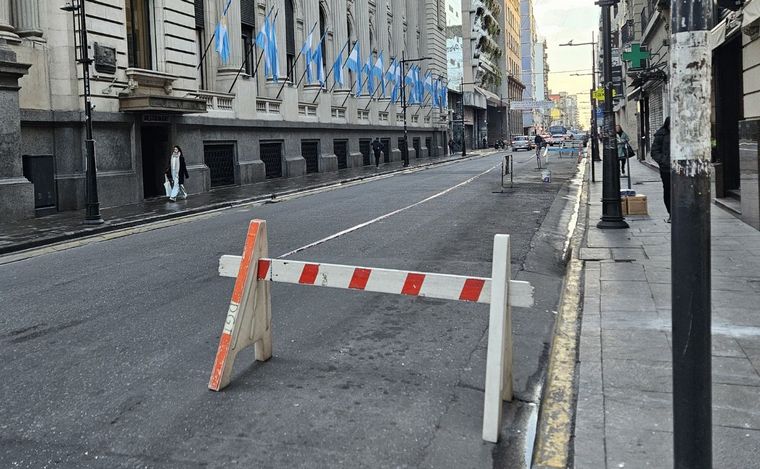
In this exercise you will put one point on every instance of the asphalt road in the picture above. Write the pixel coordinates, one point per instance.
(106, 349)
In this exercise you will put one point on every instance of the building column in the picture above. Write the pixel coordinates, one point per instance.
(7, 31)
(26, 17)
(16, 192)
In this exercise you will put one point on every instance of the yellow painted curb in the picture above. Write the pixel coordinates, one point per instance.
(555, 425)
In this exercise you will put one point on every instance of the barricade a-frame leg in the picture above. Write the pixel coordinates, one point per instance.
(249, 316)
(498, 387)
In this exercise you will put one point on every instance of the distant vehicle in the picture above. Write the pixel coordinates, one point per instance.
(558, 129)
(556, 139)
(521, 142)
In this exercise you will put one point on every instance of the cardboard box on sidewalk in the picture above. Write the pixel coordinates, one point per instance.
(624, 206)
(636, 205)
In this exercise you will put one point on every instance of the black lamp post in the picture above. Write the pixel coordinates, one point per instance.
(92, 213)
(612, 216)
(403, 102)
(461, 91)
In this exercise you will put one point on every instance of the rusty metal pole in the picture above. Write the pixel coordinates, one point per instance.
(690, 65)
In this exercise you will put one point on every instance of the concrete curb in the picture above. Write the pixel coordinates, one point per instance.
(108, 227)
(553, 447)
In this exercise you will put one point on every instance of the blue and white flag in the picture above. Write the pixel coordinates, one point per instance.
(419, 87)
(378, 71)
(444, 96)
(410, 82)
(306, 52)
(316, 57)
(434, 92)
(266, 39)
(428, 84)
(368, 67)
(222, 41)
(338, 69)
(354, 63)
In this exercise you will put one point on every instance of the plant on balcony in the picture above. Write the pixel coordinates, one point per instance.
(494, 6)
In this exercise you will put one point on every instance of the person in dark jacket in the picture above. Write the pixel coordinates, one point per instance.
(177, 173)
(377, 147)
(661, 155)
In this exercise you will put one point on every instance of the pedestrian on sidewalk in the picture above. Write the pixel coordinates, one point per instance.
(661, 156)
(377, 147)
(624, 149)
(451, 146)
(177, 173)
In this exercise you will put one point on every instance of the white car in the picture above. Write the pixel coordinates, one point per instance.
(556, 139)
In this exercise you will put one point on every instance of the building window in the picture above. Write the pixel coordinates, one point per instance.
(139, 47)
(200, 40)
(290, 39)
(322, 32)
(248, 33)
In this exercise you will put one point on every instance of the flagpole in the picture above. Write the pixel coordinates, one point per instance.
(258, 61)
(349, 93)
(304, 70)
(373, 94)
(331, 70)
(293, 65)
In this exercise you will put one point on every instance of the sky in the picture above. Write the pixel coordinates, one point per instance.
(559, 21)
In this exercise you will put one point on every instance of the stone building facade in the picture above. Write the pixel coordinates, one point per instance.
(157, 81)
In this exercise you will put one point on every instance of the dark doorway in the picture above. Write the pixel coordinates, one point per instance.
(340, 147)
(271, 155)
(155, 159)
(386, 149)
(417, 149)
(310, 152)
(364, 148)
(429, 145)
(40, 171)
(727, 69)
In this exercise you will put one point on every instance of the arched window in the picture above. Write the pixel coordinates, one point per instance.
(290, 38)
(322, 32)
(351, 43)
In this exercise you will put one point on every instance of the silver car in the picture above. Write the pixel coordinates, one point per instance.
(521, 142)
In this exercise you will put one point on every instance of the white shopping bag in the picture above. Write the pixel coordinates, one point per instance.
(167, 186)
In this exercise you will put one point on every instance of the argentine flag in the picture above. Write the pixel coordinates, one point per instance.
(354, 63)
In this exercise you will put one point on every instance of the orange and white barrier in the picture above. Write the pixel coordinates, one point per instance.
(249, 316)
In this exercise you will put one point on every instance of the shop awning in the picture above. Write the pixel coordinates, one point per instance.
(491, 98)
(717, 35)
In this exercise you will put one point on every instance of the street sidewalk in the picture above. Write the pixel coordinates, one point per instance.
(624, 403)
(62, 226)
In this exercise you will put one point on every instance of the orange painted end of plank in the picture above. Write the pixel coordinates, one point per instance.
(221, 357)
(245, 263)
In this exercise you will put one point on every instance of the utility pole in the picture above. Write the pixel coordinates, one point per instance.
(92, 205)
(612, 216)
(690, 58)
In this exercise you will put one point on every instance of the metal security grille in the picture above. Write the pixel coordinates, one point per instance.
(364, 148)
(310, 152)
(386, 149)
(416, 144)
(271, 155)
(340, 147)
(429, 145)
(220, 159)
(199, 17)
(655, 111)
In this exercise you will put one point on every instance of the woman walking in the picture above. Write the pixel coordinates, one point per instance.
(622, 147)
(177, 173)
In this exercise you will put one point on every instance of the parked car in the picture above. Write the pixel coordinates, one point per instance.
(521, 142)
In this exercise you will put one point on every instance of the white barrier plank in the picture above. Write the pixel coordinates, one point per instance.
(441, 286)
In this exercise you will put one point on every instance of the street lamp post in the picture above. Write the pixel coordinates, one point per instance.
(594, 134)
(92, 205)
(612, 216)
(403, 102)
(461, 91)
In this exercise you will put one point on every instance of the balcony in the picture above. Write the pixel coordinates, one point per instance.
(222, 102)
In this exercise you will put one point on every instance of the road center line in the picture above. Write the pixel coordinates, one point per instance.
(390, 214)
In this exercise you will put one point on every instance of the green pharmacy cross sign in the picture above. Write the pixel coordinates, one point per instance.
(637, 56)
